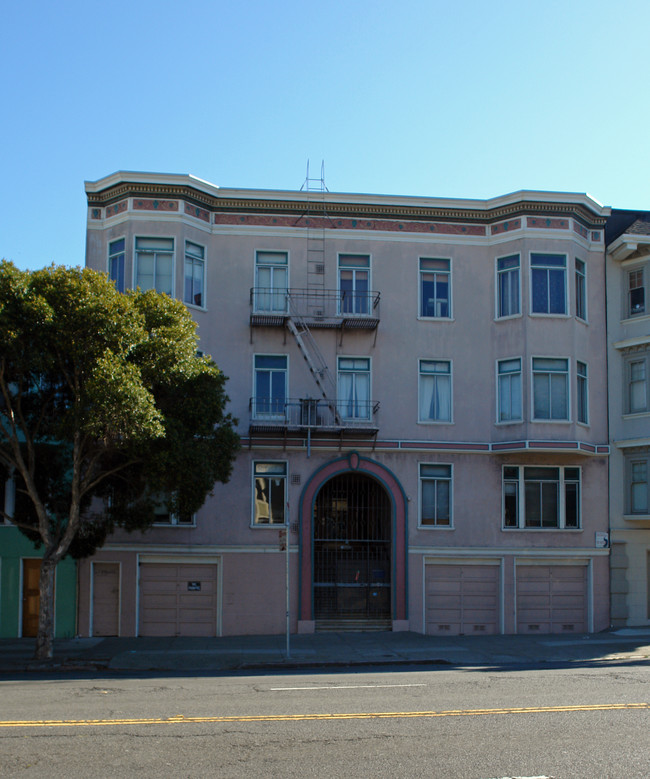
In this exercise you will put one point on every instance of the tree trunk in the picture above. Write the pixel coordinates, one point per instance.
(45, 636)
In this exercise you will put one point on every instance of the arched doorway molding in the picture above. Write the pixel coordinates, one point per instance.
(354, 462)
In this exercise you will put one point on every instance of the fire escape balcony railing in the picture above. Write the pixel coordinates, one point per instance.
(318, 308)
(269, 414)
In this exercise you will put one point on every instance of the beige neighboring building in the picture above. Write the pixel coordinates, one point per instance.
(420, 385)
(628, 304)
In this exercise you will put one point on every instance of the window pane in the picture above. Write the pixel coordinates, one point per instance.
(571, 505)
(557, 304)
(550, 505)
(442, 494)
(510, 517)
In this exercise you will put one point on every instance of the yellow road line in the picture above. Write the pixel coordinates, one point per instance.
(181, 719)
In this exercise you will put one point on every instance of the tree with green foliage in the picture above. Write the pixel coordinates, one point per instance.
(105, 409)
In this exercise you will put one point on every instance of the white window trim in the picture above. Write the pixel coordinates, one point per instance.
(134, 274)
(451, 392)
(340, 357)
(286, 383)
(588, 409)
(521, 500)
(497, 316)
(441, 319)
(645, 270)
(421, 479)
(566, 314)
(203, 306)
(584, 320)
(568, 374)
(627, 504)
(338, 278)
(258, 251)
(627, 383)
(269, 526)
(505, 422)
(109, 255)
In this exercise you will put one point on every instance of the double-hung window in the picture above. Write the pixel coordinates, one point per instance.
(354, 284)
(638, 501)
(435, 391)
(194, 274)
(582, 392)
(271, 279)
(635, 292)
(435, 288)
(269, 493)
(637, 385)
(435, 495)
(354, 387)
(116, 263)
(581, 290)
(508, 286)
(541, 497)
(550, 388)
(509, 390)
(270, 386)
(548, 283)
(154, 260)
(163, 516)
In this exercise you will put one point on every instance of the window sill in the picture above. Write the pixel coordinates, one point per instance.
(636, 517)
(435, 422)
(268, 526)
(582, 321)
(436, 319)
(636, 318)
(169, 524)
(636, 414)
(542, 529)
(436, 527)
(509, 422)
(551, 421)
(194, 307)
(508, 318)
(549, 316)
(583, 424)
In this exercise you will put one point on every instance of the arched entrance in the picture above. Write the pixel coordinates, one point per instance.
(353, 464)
(352, 549)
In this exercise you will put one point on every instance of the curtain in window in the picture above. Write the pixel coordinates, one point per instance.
(354, 395)
(435, 398)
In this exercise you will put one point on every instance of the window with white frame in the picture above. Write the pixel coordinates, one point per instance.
(581, 290)
(194, 274)
(582, 393)
(163, 516)
(116, 263)
(509, 390)
(541, 497)
(435, 288)
(7, 498)
(635, 292)
(434, 391)
(637, 385)
(550, 388)
(271, 280)
(354, 387)
(638, 496)
(354, 283)
(435, 495)
(269, 493)
(154, 261)
(270, 385)
(548, 283)
(508, 295)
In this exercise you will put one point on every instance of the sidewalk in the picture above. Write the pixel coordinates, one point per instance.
(318, 650)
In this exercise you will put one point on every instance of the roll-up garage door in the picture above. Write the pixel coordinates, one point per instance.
(178, 599)
(551, 598)
(461, 599)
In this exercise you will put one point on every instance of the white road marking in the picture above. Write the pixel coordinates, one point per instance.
(346, 687)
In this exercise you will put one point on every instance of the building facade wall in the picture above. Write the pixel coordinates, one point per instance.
(628, 265)
(470, 338)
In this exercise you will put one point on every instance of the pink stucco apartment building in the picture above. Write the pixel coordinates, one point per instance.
(420, 385)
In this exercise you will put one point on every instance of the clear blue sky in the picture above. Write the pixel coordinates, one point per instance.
(414, 97)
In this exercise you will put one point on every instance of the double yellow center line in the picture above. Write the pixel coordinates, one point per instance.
(180, 719)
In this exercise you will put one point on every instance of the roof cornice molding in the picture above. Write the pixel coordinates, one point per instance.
(168, 186)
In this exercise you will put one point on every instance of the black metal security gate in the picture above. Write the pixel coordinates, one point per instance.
(352, 549)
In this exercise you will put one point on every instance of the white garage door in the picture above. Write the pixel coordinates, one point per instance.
(178, 599)
(551, 599)
(461, 599)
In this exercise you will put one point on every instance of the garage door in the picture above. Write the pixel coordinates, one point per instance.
(178, 599)
(462, 599)
(551, 599)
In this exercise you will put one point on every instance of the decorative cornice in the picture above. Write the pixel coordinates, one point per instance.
(334, 205)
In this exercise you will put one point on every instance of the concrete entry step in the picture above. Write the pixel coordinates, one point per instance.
(353, 625)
